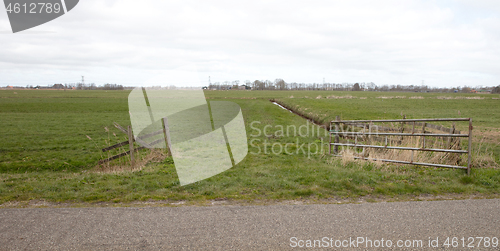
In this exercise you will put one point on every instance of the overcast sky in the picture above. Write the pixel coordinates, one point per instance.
(444, 43)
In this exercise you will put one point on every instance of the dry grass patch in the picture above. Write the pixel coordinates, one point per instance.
(482, 154)
(341, 97)
(141, 161)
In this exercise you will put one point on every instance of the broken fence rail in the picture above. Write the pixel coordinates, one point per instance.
(130, 142)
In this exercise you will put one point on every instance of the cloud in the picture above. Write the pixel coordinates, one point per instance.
(386, 42)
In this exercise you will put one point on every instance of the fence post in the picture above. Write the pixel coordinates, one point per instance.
(470, 146)
(369, 138)
(402, 128)
(450, 139)
(412, 132)
(337, 140)
(166, 131)
(330, 139)
(131, 145)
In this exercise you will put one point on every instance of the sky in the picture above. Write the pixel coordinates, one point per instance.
(438, 43)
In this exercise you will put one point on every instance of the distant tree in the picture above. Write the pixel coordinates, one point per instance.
(496, 89)
(258, 85)
(466, 89)
(356, 87)
(279, 84)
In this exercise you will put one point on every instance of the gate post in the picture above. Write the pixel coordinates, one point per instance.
(470, 146)
(337, 140)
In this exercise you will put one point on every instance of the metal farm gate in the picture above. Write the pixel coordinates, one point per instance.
(367, 131)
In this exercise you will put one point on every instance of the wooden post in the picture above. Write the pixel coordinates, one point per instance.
(470, 146)
(363, 139)
(165, 134)
(337, 139)
(131, 145)
(369, 138)
(451, 141)
(402, 128)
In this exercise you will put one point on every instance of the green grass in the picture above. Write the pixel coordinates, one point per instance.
(485, 113)
(46, 130)
(45, 153)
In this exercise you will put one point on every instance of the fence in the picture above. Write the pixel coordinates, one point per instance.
(130, 142)
(368, 124)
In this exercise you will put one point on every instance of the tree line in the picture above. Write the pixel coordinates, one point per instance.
(280, 84)
(79, 86)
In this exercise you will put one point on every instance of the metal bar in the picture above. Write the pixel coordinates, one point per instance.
(401, 120)
(406, 162)
(382, 128)
(470, 147)
(404, 134)
(403, 148)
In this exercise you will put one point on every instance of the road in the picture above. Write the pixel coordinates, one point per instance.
(249, 227)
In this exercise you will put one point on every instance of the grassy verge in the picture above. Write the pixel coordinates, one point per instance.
(257, 178)
(57, 163)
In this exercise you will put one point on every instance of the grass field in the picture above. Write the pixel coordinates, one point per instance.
(483, 109)
(51, 143)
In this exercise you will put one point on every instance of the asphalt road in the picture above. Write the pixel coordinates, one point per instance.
(251, 227)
